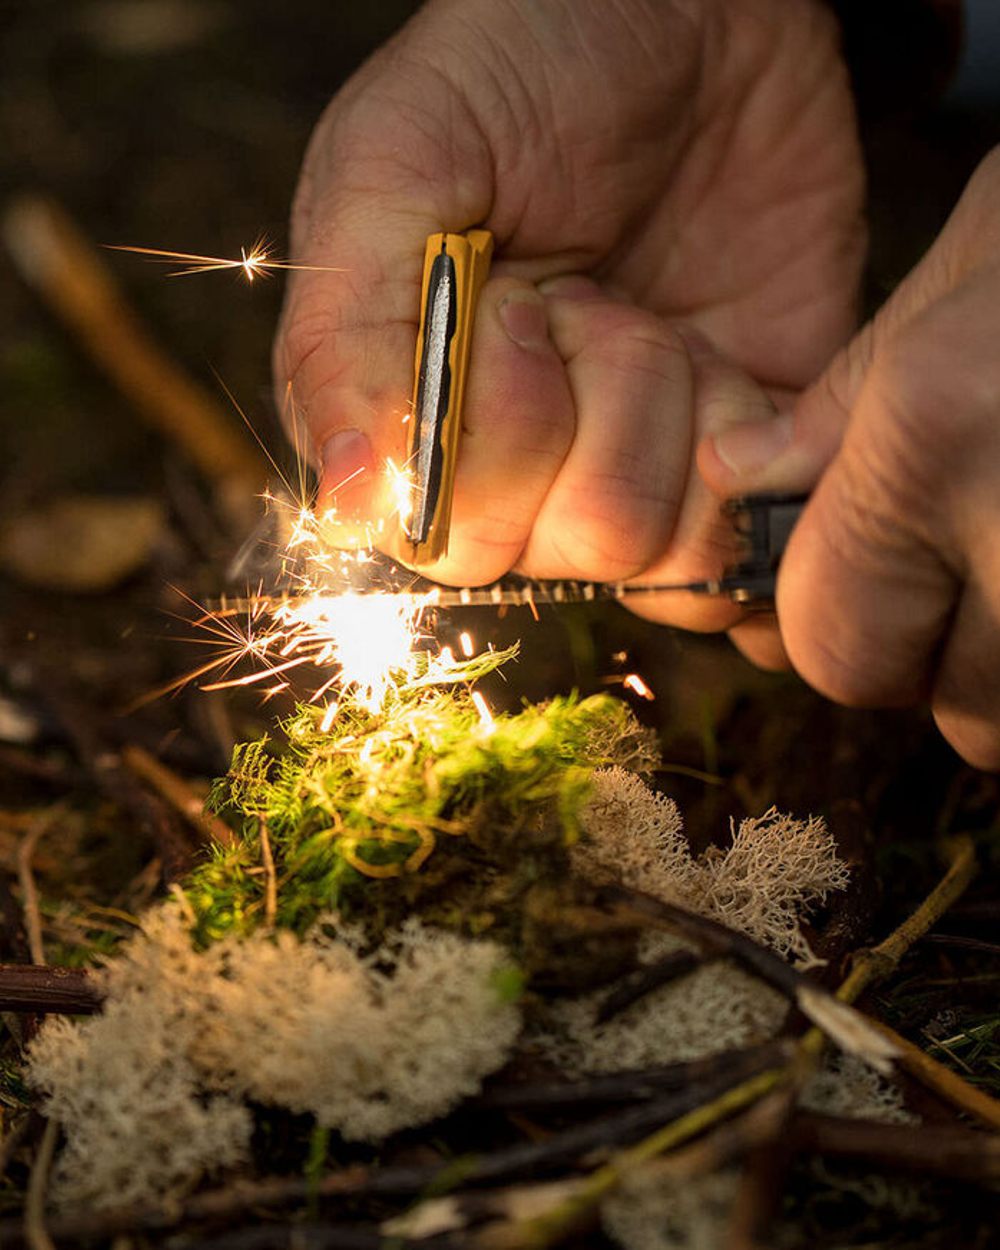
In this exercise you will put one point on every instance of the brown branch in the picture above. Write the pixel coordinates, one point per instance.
(47, 990)
(59, 263)
(848, 1028)
(942, 1150)
(671, 968)
(637, 1085)
(175, 790)
(879, 962)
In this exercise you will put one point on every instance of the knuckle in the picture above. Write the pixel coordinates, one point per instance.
(646, 346)
(605, 533)
(305, 332)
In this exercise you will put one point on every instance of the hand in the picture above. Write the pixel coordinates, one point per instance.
(890, 589)
(695, 158)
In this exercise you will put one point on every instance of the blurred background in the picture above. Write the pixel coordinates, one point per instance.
(180, 124)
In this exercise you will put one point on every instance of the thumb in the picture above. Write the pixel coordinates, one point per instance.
(790, 451)
(374, 186)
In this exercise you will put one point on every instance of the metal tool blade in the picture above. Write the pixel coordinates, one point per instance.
(432, 398)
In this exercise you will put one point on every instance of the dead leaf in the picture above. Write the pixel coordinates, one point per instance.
(81, 543)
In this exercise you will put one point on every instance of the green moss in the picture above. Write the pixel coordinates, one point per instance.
(420, 805)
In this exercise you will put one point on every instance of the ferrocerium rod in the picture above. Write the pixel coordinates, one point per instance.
(498, 594)
(455, 267)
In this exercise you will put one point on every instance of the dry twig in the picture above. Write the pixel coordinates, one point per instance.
(270, 878)
(36, 1235)
(29, 891)
(47, 991)
(959, 1153)
(943, 1081)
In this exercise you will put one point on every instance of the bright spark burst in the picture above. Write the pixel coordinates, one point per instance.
(322, 639)
(254, 262)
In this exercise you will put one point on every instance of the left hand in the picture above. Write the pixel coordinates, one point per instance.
(890, 589)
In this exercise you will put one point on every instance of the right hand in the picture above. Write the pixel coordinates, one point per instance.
(695, 159)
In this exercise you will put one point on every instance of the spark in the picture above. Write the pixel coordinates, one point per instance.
(485, 715)
(400, 484)
(636, 684)
(465, 640)
(254, 262)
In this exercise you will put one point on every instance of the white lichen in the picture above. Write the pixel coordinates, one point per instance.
(847, 1086)
(775, 871)
(139, 1125)
(656, 1211)
(150, 1093)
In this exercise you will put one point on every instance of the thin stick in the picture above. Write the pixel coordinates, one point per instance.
(554, 1225)
(879, 962)
(946, 1150)
(842, 1023)
(270, 879)
(29, 891)
(175, 790)
(645, 981)
(943, 1081)
(35, 1233)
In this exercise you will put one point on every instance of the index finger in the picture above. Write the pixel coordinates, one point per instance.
(374, 186)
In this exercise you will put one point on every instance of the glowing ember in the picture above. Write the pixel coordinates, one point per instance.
(465, 641)
(635, 683)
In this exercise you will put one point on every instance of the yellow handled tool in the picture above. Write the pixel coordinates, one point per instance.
(455, 268)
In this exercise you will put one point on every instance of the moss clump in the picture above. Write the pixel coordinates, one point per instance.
(420, 805)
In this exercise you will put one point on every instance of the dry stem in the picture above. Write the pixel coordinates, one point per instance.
(35, 1233)
(270, 879)
(943, 1081)
(29, 891)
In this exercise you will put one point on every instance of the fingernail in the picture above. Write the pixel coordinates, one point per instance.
(699, 346)
(348, 459)
(522, 315)
(746, 448)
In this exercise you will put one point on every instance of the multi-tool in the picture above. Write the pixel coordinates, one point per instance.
(455, 267)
